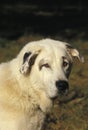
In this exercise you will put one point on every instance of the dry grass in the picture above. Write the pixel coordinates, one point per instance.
(71, 112)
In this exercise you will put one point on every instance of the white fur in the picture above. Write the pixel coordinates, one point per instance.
(25, 99)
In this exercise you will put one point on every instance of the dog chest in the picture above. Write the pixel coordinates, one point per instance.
(21, 121)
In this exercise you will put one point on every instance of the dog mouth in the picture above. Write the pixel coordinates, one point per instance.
(64, 92)
(60, 94)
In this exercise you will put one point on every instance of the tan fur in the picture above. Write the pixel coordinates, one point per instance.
(16, 107)
(24, 100)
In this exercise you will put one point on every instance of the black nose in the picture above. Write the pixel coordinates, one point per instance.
(62, 86)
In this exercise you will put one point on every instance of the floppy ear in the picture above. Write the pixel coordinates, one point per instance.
(74, 53)
(28, 62)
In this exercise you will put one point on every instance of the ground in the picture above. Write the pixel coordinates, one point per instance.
(69, 112)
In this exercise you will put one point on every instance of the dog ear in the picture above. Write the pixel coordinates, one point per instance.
(74, 53)
(28, 62)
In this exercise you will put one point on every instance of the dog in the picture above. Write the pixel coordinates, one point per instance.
(30, 82)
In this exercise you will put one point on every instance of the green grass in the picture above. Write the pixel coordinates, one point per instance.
(70, 113)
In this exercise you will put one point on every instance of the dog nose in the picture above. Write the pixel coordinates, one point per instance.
(62, 86)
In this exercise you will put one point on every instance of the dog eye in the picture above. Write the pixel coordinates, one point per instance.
(46, 65)
(65, 64)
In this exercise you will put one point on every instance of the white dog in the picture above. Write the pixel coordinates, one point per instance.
(29, 82)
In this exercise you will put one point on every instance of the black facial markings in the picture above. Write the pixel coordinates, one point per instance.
(32, 61)
(69, 70)
(26, 55)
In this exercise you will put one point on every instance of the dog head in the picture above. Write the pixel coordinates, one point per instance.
(47, 64)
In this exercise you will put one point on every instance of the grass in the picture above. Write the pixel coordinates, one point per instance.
(71, 112)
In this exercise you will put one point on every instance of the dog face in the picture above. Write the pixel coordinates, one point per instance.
(48, 64)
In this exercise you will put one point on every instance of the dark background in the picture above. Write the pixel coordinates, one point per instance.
(66, 18)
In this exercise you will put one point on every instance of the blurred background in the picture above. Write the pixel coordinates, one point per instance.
(46, 17)
(22, 21)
